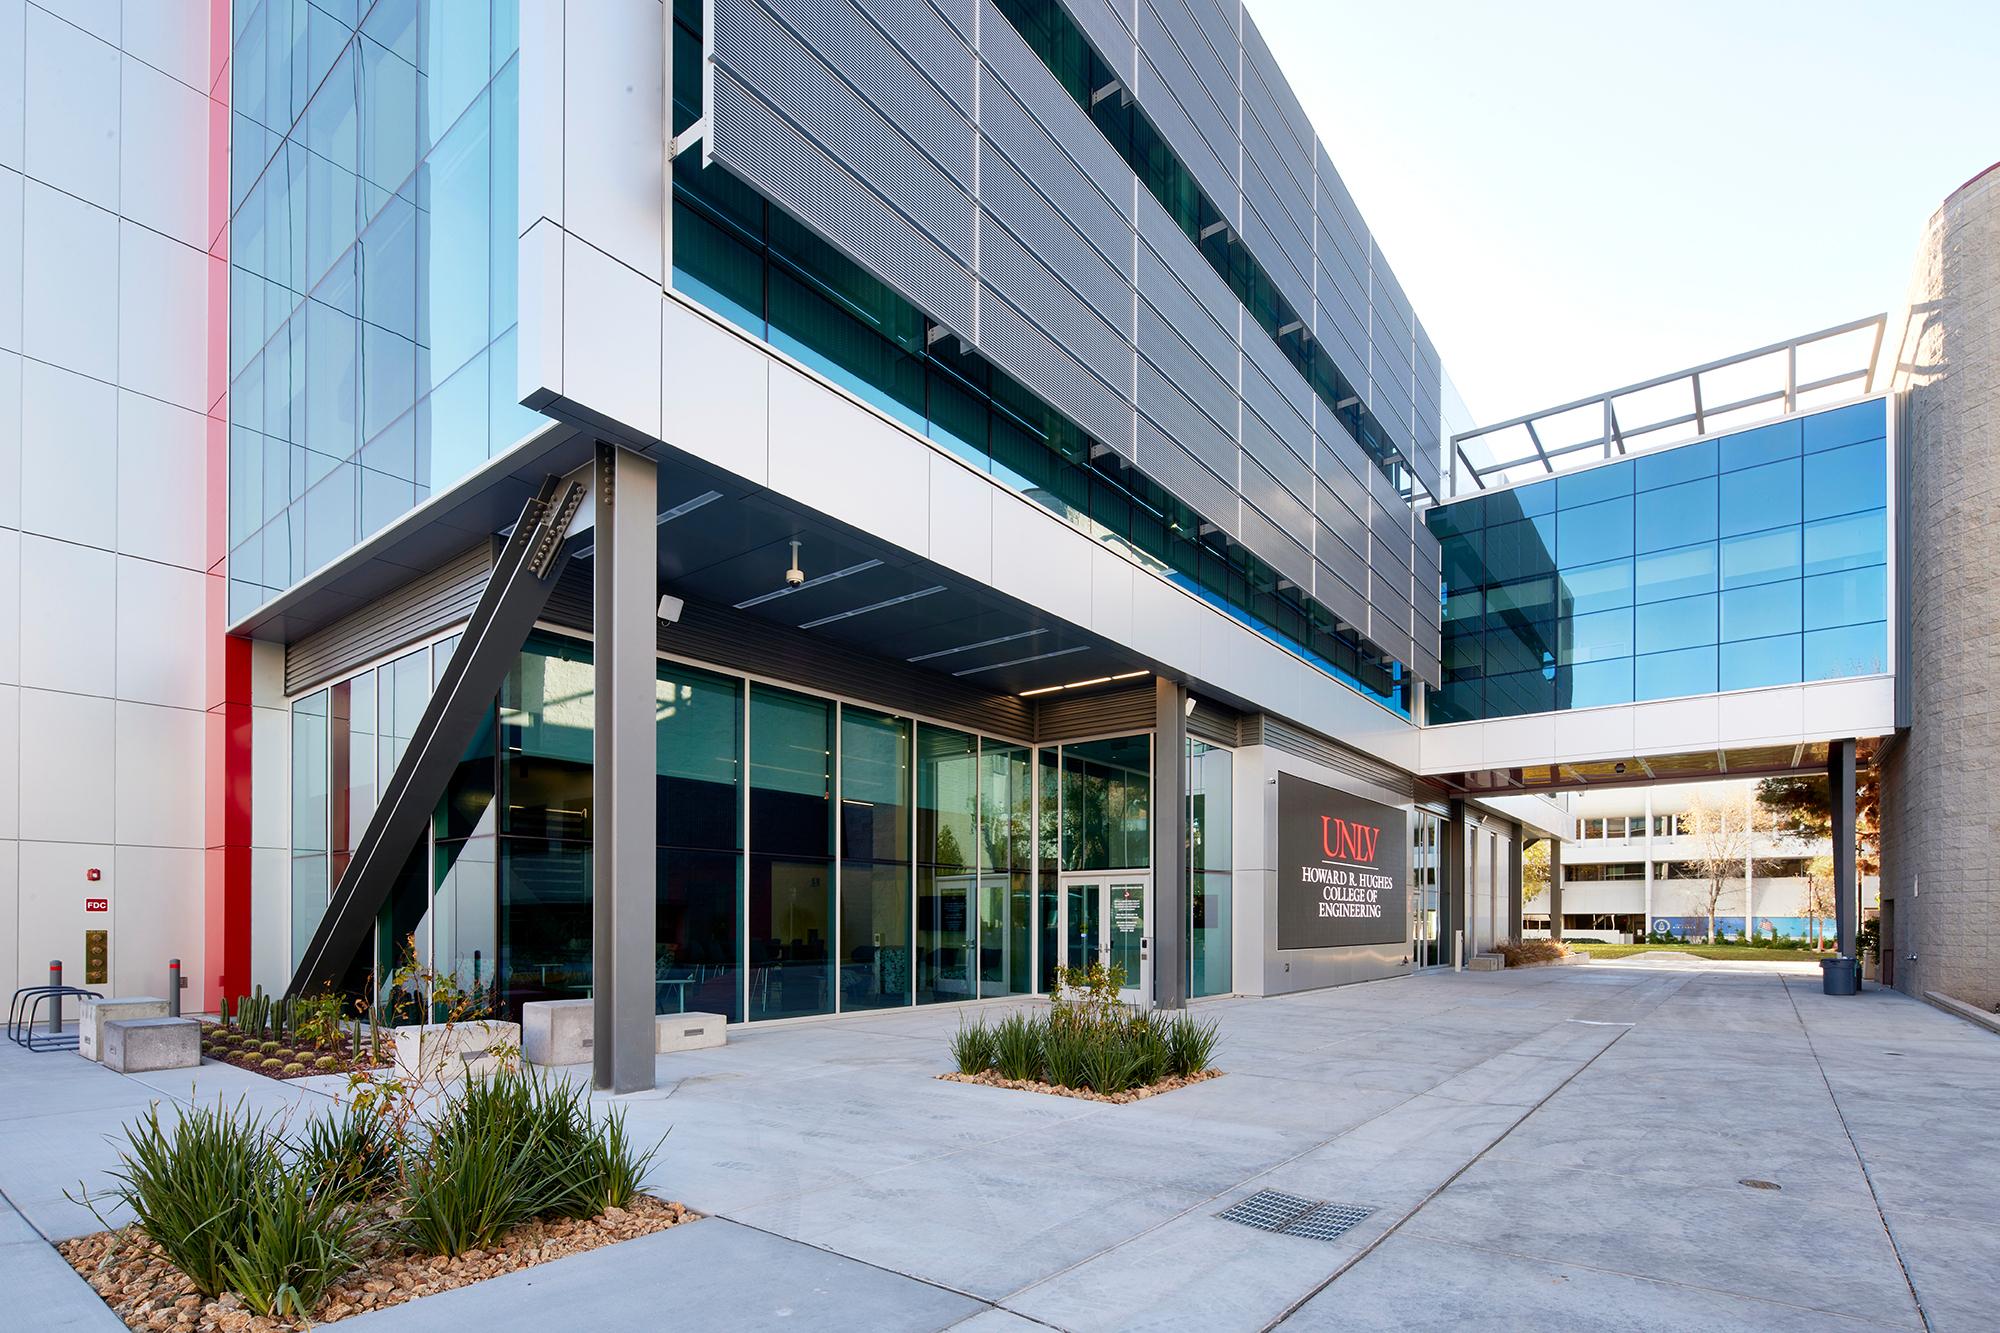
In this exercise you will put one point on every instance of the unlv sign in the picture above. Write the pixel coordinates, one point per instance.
(1343, 868)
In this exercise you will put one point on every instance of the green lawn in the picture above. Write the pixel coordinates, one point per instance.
(1714, 952)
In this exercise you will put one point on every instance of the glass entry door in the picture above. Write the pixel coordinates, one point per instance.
(1103, 919)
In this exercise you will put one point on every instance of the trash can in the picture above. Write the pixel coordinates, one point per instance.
(1840, 976)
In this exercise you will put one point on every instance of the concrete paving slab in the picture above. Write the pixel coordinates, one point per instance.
(706, 1274)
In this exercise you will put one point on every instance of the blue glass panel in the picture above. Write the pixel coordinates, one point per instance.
(1520, 692)
(1759, 611)
(1851, 597)
(1596, 532)
(1843, 480)
(1511, 648)
(1852, 650)
(1463, 516)
(1755, 663)
(1682, 573)
(1766, 444)
(1672, 675)
(1595, 684)
(1533, 599)
(1520, 550)
(1677, 515)
(1846, 425)
(1846, 543)
(1521, 502)
(1593, 485)
(1760, 497)
(1597, 587)
(1760, 558)
(1598, 636)
(1671, 466)
(1660, 626)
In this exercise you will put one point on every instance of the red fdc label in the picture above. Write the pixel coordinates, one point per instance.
(96, 904)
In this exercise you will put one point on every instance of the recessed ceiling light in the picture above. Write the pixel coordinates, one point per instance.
(983, 643)
(686, 507)
(872, 606)
(1017, 661)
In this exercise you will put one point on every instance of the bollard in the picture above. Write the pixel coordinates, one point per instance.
(173, 988)
(55, 1000)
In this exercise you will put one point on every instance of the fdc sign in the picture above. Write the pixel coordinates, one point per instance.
(1343, 868)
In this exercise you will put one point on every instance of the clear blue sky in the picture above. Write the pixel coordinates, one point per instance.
(1580, 195)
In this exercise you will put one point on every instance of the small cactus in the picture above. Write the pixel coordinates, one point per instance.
(273, 1063)
(293, 1070)
(326, 1064)
(268, 1047)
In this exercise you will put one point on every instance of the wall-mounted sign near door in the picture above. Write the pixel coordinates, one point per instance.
(1343, 868)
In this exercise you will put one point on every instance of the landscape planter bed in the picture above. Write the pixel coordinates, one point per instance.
(146, 1291)
(310, 1059)
(1173, 1083)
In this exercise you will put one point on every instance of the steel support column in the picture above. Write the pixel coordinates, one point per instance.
(1555, 888)
(1840, 801)
(1515, 851)
(1170, 844)
(1455, 896)
(624, 814)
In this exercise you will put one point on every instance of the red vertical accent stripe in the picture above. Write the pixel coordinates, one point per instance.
(225, 971)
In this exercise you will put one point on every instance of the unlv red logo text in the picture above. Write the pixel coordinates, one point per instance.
(1345, 841)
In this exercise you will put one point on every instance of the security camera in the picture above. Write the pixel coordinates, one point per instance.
(670, 608)
(795, 576)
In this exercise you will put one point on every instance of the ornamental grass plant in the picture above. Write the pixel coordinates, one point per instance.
(1089, 1040)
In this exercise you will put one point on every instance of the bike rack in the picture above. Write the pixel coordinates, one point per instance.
(26, 1012)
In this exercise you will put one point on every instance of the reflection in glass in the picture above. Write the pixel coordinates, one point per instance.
(547, 711)
(310, 879)
(1106, 798)
(1004, 844)
(875, 882)
(1209, 865)
(790, 908)
(947, 814)
(698, 756)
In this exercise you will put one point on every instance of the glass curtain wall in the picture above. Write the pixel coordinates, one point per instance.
(1426, 921)
(1006, 806)
(790, 910)
(947, 839)
(875, 848)
(1106, 799)
(935, 834)
(373, 162)
(1210, 900)
(698, 764)
(1748, 560)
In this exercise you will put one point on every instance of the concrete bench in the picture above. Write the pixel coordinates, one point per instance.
(559, 1032)
(444, 1052)
(96, 1013)
(556, 1032)
(140, 1045)
(689, 1032)
(1485, 962)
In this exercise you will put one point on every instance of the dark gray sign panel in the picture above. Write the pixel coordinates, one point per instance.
(1343, 868)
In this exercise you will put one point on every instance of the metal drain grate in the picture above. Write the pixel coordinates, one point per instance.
(1290, 1215)
(1328, 1221)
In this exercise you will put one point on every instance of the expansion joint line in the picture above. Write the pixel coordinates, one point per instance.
(1860, 1161)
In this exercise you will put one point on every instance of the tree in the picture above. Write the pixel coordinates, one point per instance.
(1819, 904)
(1718, 836)
(1534, 872)
(1800, 809)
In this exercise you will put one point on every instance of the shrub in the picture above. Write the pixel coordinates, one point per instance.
(1190, 1044)
(1065, 1054)
(506, 1150)
(1110, 1062)
(193, 1188)
(1518, 953)
(1151, 1047)
(350, 1156)
(1017, 1047)
(973, 1047)
(297, 1242)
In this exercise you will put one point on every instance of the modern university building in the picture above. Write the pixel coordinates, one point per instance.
(791, 509)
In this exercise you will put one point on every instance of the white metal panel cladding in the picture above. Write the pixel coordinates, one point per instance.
(1286, 556)
(1177, 254)
(1011, 133)
(1051, 108)
(1337, 515)
(1214, 67)
(1190, 319)
(1025, 352)
(1279, 505)
(1108, 25)
(1276, 457)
